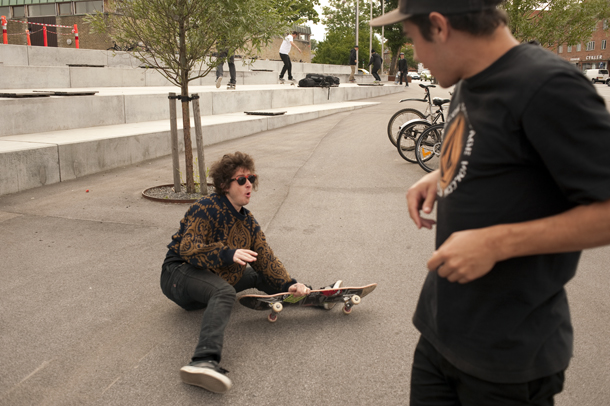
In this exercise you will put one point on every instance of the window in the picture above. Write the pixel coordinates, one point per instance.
(4, 11)
(603, 44)
(590, 45)
(578, 47)
(88, 7)
(569, 48)
(65, 9)
(38, 10)
(18, 11)
(560, 49)
(605, 24)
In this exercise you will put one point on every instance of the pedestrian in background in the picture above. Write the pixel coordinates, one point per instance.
(402, 69)
(375, 62)
(353, 62)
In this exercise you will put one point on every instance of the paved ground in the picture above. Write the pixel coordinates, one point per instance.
(83, 320)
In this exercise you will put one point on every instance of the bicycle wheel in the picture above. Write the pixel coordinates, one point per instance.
(405, 143)
(398, 119)
(428, 147)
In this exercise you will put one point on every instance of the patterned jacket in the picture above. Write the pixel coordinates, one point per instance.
(210, 233)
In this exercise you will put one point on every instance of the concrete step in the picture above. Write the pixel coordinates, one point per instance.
(24, 67)
(126, 105)
(46, 77)
(32, 160)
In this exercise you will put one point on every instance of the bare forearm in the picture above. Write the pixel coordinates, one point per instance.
(577, 229)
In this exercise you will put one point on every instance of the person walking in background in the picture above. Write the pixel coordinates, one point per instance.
(219, 69)
(285, 48)
(402, 69)
(353, 62)
(376, 65)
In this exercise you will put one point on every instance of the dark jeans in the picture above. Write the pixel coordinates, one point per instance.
(287, 66)
(435, 382)
(375, 75)
(231, 62)
(403, 75)
(194, 288)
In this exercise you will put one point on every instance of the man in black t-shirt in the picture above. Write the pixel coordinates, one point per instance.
(523, 187)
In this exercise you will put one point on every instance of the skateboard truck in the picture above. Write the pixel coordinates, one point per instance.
(348, 303)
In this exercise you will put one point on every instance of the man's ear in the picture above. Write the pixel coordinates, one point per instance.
(439, 26)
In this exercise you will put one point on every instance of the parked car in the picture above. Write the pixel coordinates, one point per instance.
(597, 75)
(362, 71)
(413, 75)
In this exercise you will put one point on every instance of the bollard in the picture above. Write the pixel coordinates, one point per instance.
(4, 33)
(44, 35)
(76, 36)
(27, 32)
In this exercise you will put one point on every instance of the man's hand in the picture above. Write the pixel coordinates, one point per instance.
(421, 196)
(466, 255)
(298, 290)
(242, 256)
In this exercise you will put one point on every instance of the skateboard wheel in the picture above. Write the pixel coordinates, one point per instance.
(277, 307)
(272, 317)
(355, 300)
(347, 309)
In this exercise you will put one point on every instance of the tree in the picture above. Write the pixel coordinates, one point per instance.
(313, 43)
(178, 38)
(395, 39)
(299, 11)
(554, 21)
(340, 21)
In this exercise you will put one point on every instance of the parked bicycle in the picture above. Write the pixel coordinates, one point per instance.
(411, 130)
(428, 147)
(402, 116)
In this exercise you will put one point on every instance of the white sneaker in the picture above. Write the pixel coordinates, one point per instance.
(207, 375)
(218, 80)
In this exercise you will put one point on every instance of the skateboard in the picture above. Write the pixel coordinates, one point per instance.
(292, 82)
(370, 84)
(325, 298)
(231, 86)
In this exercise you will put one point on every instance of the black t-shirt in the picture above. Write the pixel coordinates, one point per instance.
(526, 138)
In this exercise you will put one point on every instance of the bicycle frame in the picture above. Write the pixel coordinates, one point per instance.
(427, 99)
(435, 119)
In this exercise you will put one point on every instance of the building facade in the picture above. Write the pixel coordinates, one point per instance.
(59, 18)
(592, 54)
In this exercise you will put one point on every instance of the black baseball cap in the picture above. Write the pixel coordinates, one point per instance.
(408, 8)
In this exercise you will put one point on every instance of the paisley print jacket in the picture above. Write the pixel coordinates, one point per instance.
(210, 233)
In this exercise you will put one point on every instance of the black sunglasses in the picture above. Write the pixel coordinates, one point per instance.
(241, 180)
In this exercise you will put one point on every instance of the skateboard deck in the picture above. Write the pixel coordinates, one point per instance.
(349, 296)
(370, 84)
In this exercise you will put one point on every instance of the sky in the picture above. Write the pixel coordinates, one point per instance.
(319, 29)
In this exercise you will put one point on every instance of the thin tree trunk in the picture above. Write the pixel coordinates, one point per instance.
(186, 117)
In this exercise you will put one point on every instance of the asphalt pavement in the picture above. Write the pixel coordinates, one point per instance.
(83, 320)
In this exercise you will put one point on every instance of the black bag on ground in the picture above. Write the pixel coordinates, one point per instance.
(315, 77)
(308, 82)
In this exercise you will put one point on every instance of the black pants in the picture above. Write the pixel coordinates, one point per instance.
(375, 74)
(194, 288)
(287, 66)
(231, 62)
(435, 382)
(403, 75)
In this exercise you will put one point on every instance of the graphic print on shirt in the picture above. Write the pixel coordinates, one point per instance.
(457, 146)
